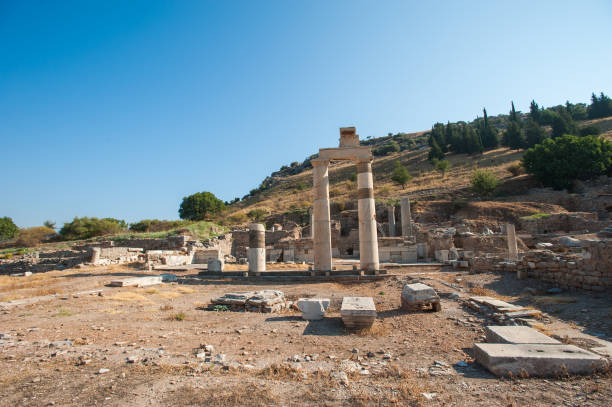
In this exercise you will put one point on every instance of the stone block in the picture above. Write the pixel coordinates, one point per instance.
(517, 334)
(313, 308)
(358, 312)
(137, 281)
(415, 296)
(215, 265)
(503, 359)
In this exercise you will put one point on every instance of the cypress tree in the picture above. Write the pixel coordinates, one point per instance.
(534, 133)
(488, 133)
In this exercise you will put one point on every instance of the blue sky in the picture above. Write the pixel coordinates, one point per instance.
(122, 108)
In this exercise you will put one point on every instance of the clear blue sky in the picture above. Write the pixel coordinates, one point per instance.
(122, 108)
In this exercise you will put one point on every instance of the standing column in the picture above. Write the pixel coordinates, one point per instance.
(512, 246)
(391, 213)
(368, 240)
(311, 223)
(257, 248)
(321, 223)
(406, 221)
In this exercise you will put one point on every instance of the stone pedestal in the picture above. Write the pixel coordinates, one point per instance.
(257, 248)
(322, 224)
(95, 255)
(368, 239)
(406, 217)
(391, 212)
(358, 312)
(215, 265)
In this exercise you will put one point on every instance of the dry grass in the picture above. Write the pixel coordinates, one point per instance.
(185, 290)
(152, 290)
(377, 330)
(128, 296)
(225, 395)
(169, 294)
(280, 372)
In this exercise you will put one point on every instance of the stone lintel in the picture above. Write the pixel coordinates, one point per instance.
(361, 153)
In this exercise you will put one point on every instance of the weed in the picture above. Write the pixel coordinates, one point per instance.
(166, 307)
(179, 316)
(63, 313)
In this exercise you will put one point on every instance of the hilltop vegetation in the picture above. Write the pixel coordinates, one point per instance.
(492, 143)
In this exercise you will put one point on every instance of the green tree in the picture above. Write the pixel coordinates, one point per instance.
(435, 153)
(401, 175)
(562, 124)
(534, 112)
(514, 136)
(472, 142)
(200, 205)
(257, 214)
(442, 166)
(558, 162)
(85, 228)
(534, 133)
(513, 115)
(8, 229)
(488, 133)
(49, 224)
(483, 182)
(600, 106)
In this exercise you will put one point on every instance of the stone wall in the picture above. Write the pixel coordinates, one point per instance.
(589, 270)
(562, 222)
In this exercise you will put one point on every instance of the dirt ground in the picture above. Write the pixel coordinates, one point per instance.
(53, 348)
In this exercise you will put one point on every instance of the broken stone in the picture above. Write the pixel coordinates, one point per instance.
(358, 312)
(419, 295)
(313, 308)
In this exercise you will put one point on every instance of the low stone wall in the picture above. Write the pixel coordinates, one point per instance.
(589, 270)
(561, 222)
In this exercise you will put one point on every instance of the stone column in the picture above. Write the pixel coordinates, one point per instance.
(368, 240)
(257, 248)
(391, 212)
(512, 246)
(321, 217)
(311, 223)
(406, 221)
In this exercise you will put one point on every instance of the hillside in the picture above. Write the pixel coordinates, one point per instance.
(292, 193)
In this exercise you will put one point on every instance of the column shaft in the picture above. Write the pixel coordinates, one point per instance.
(406, 221)
(256, 254)
(321, 223)
(368, 240)
(391, 212)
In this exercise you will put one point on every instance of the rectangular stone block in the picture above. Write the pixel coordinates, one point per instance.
(358, 312)
(536, 360)
(517, 334)
(137, 281)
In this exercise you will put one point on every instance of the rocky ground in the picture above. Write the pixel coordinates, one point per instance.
(144, 346)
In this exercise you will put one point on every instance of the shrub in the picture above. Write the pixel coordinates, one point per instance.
(200, 205)
(8, 229)
(257, 214)
(34, 236)
(353, 177)
(401, 175)
(85, 228)
(301, 186)
(237, 218)
(557, 163)
(442, 166)
(386, 148)
(156, 225)
(515, 169)
(483, 182)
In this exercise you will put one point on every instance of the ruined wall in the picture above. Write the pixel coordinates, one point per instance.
(562, 222)
(590, 270)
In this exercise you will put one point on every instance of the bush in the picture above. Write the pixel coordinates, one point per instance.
(34, 236)
(557, 163)
(401, 175)
(156, 225)
(515, 169)
(483, 182)
(442, 166)
(8, 229)
(257, 214)
(200, 205)
(85, 228)
(386, 148)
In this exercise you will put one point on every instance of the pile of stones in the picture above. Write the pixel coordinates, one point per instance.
(252, 301)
